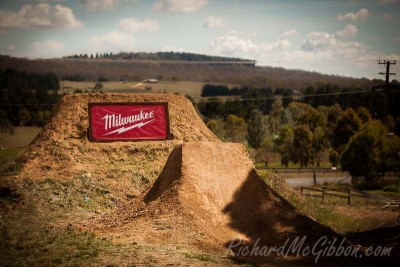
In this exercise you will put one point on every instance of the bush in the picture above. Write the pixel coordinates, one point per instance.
(370, 153)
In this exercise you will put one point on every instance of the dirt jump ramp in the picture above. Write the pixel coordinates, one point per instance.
(217, 185)
(62, 149)
(63, 152)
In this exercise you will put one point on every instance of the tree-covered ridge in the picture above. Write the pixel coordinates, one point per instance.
(343, 125)
(160, 56)
(14, 79)
(239, 73)
(27, 98)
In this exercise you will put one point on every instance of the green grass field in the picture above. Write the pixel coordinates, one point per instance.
(21, 138)
(11, 145)
(8, 155)
(181, 87)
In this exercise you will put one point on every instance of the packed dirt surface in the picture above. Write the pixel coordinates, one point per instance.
(62, 149)
(209, 196)
(217, 184)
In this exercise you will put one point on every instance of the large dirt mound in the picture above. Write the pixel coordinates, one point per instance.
(217, 185)
(62, 149)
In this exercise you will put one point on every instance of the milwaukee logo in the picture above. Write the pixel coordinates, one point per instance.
(134, 121)
(112, 121)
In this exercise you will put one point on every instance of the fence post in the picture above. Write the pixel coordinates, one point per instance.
(301, 189)
(323, 195)
(314, 177)
(348, 196)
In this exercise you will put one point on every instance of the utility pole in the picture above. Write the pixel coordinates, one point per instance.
(387, 63)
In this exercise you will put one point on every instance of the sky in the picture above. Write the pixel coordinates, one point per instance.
(340, 37)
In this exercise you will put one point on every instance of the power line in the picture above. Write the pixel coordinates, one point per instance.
(202, 99)
(282, 97)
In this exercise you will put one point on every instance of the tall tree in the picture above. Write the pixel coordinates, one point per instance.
(334, 157)
(302, 150)
(319, 143)
(283, 144)
(255, 129)
(370, 153)
(276, 114)
(347, 125)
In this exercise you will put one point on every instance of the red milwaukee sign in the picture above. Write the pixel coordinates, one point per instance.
(128, 121)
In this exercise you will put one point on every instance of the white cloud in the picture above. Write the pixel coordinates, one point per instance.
(47, 49)
(180, 6)
(387, 2)
(318, 41)
(213, 22)
(324, 52)
(282, 44)
(234, 43)
(241, 45)
(112, 42)
(349, 31)
(289, 33)
(135, 25)
(361, 14)
(40, 15)
(100, 4)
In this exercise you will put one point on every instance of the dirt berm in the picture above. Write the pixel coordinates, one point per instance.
(62, 150)
(217, 185)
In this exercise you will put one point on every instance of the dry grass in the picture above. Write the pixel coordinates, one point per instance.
(180, 87)
(43, 223)
(361, 215)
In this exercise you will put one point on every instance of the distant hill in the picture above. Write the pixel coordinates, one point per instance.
(160, 56)
(172, 66)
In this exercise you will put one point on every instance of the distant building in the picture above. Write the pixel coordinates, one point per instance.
(150, 81)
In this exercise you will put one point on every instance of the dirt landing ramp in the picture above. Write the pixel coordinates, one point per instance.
(62, 150)
(218, 187)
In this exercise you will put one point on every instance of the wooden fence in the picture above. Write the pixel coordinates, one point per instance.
(345, 193)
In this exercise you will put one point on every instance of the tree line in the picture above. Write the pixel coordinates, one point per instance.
(27, 98)
(305, 129)
(178, 56)
(323, 94)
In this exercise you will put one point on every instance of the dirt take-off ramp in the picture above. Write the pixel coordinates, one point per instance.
(217, 186)
(214, 184)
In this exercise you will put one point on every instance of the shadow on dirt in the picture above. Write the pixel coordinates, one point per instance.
(278, 234)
